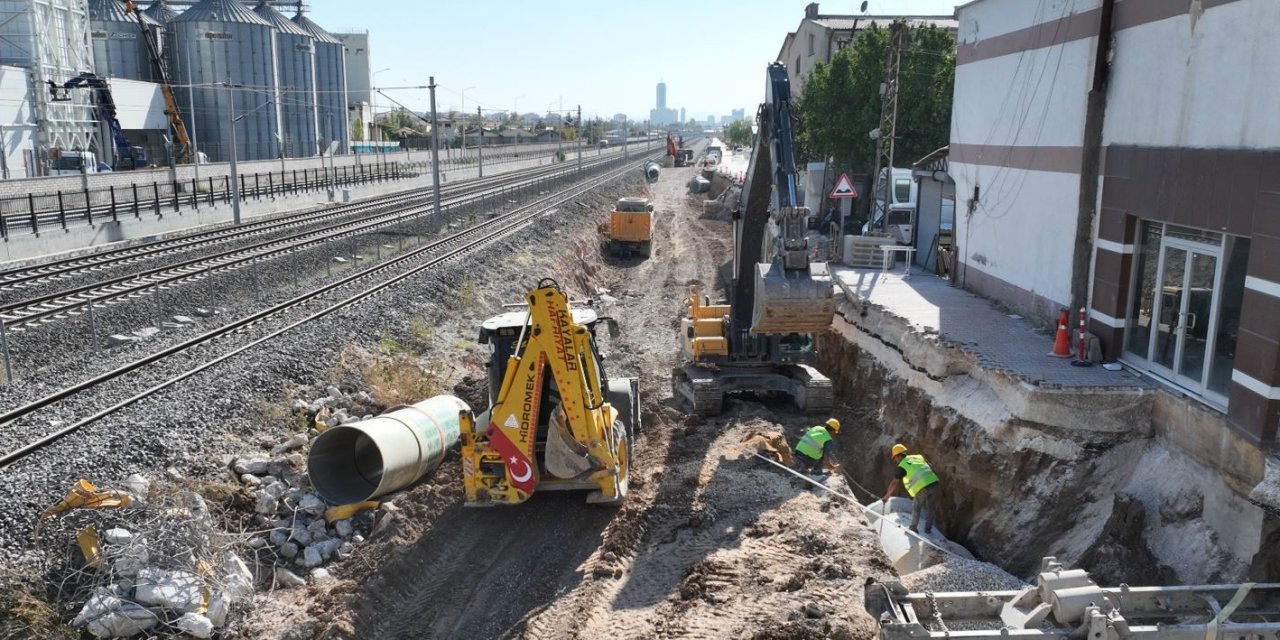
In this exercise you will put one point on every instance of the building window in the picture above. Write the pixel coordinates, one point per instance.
(1184, 314)
(811, 50)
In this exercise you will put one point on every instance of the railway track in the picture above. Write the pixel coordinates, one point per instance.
(368, 282)
(22, 277)
(51, 307)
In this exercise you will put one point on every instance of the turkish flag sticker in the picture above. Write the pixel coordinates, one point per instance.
(522, 473)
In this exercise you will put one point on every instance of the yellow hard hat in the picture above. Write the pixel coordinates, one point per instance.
(898, 449)
(833, 425)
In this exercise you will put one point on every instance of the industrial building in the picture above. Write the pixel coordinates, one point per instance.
(1108, 173)
(282, 81)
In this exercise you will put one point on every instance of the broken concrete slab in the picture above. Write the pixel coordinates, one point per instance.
(174, 590)
(106, 616)
(196, 625)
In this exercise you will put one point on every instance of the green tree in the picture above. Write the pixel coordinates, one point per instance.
(739, 133)
(840, 105)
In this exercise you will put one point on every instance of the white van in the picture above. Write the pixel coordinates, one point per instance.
(73, 163)
(902, 205)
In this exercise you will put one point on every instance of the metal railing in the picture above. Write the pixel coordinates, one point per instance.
(35, 212)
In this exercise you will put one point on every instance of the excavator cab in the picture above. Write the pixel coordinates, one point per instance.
(556, 420)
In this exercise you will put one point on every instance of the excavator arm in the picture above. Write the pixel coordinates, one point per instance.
(166, 88)
(582, 445)
(777, 289)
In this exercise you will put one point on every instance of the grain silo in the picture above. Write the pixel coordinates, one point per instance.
(229, 44)
(331, 83)
(162, 13)
(119, 45)
(296, 72)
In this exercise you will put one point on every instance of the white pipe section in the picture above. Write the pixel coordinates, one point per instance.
(363, 460)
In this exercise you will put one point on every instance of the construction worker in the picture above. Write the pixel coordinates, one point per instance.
(814, 448)
(921, 482)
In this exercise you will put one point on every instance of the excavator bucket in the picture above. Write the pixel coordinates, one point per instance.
(792, 302)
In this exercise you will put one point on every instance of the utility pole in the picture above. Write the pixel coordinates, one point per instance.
(579, 136)
(435, 150)
(480, 145)
(235, 175)
(888, 119)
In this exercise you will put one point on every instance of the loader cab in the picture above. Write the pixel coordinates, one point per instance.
(501, 333)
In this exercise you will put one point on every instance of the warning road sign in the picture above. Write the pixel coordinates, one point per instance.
(844, 188)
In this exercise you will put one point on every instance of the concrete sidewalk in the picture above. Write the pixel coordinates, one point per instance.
(928, 306)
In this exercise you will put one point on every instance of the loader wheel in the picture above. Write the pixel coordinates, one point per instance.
(621, 436)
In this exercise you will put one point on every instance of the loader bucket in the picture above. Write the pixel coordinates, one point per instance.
(792, 302)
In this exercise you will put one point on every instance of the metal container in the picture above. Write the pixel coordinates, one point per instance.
(296, 72)
(363, 460)
(331, 83)
(119, 45)
(230, 60)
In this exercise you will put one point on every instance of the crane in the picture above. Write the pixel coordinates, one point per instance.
(170, 104)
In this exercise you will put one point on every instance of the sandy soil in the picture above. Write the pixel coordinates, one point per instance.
(712, 543)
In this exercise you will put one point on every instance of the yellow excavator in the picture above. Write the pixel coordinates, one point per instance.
(556, 421)
(763, 338)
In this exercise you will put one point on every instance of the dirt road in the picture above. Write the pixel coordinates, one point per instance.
(711, 543)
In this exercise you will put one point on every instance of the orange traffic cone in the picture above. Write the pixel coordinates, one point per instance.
(1062, 343)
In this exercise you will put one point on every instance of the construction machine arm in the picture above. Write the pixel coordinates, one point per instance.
(787, 296)
(166, 89)
(500, 465)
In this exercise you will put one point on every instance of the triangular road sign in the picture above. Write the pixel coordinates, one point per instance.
(844, 188)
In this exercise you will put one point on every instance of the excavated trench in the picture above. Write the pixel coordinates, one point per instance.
(1016, 491)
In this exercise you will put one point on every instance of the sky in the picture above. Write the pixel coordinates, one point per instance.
(606, 55)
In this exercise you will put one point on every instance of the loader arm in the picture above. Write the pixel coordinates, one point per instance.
(501, 465)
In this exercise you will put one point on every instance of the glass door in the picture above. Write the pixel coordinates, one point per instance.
(1182, 331)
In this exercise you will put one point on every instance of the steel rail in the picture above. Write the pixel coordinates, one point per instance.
(67, 267)
(505, 224)
(56, 305)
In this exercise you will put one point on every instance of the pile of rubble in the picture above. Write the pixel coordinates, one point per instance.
(160, 566)
(166, 566)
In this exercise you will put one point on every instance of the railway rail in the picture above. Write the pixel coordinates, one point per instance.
(44, 272)
(383, 213)
(370, 281)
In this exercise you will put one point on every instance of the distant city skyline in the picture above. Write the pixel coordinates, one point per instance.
(578, 54)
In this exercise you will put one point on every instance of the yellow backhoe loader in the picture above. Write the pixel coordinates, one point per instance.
(556, 420)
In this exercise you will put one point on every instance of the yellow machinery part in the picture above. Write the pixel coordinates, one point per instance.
(630, 227)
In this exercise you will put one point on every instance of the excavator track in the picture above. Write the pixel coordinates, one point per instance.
(814, 392)
(700, 388)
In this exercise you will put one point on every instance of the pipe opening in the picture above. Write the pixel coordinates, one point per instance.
(345, 466)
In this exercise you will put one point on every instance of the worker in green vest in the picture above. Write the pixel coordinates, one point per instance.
(814, 448)
(921, 482)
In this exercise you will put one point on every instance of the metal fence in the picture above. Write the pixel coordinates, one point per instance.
(33, 212)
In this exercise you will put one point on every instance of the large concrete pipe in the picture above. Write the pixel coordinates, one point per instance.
(651, 170)
(363, 460)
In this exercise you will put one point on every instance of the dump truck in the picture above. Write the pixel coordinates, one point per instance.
(556, 421)
(630, 227)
